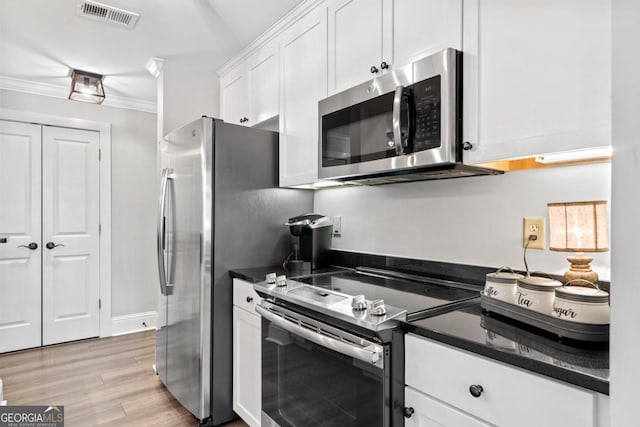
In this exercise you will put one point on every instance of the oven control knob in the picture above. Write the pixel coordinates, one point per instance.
(281, 281)
(358, 303)
(377, 308)
(270, 278)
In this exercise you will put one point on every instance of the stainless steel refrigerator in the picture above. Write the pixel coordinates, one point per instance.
(219, 209)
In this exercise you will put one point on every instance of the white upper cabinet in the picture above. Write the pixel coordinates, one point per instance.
(417, 28)
(263, 74)
(250, 90)
(355, 42)
(366, 36)
(234, 99)
(303, 82)
(537, 77)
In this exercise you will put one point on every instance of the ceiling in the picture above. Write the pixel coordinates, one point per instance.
(40, 40)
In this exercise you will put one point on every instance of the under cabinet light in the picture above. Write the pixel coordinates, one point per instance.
(571, 156)
(321, 184)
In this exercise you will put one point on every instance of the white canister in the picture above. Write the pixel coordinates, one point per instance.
(502, 285)
(537, 294)
(580, 304)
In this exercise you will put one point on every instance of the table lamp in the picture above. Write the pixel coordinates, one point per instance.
(579, 227)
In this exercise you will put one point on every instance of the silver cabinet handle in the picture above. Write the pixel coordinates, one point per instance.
(370, 354)
(167, 174)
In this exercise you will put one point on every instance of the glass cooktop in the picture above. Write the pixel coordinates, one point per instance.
(412, 296)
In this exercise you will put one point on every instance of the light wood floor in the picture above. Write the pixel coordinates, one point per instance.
(106, 381)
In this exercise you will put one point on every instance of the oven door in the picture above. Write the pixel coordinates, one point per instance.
(316, 375)
(366, 128)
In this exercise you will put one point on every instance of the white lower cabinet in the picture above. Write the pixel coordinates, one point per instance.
(451, 387)
(247, 363)
(428, 412)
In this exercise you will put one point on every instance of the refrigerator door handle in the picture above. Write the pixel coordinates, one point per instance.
(167, 174)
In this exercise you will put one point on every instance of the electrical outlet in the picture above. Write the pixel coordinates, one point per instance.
(533, 226)
(337, 226)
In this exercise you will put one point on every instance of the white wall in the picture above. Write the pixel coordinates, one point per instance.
(468, 220)
(625, 316)
(186, 92)
(133, 203)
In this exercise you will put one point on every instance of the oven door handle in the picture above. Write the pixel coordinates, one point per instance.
(371, 354)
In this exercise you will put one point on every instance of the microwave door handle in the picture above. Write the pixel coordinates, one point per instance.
(396, 119)
(371, 354)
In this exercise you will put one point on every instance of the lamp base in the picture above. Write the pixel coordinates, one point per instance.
(580, 272)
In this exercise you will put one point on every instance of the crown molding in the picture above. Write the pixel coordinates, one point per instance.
(57, 91)
(271, 33)
(154, 66)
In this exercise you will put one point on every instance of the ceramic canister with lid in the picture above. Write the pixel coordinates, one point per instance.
(581, 304)
(502, 285)
(537, 294)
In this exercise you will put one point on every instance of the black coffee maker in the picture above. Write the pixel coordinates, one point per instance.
(310, 243)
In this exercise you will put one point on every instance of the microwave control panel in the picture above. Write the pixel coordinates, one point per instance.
(427, 99)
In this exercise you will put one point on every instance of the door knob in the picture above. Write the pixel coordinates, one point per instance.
(33, 246)
(374, 69)
(384, 65)
(51, 245)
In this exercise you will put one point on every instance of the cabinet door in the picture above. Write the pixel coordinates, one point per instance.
(428, 412)
(247, 366)
(303, 82)
(355, 42)
(537, 77)
(20, 235)
(235, 102)
(70, 228)
(264, 84)
(420, 28)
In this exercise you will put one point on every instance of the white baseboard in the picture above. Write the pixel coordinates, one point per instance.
(130, 323)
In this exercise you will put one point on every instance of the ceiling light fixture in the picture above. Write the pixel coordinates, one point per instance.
(86, 87)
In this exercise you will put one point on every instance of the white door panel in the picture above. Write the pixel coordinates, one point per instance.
(70, 220)
(20, 155)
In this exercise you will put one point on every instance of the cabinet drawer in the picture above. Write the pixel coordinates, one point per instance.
(244, 296)
(428, 412)
(509, 395)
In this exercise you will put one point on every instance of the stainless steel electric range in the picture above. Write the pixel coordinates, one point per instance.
(333, 348)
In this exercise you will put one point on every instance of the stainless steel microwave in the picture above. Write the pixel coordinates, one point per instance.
(405, 125)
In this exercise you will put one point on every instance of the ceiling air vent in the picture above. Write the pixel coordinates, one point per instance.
(109, 14)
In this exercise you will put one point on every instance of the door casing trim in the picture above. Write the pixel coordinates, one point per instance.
(104, 129)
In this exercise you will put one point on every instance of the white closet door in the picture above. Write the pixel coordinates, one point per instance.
(20, 151)
(70, 221)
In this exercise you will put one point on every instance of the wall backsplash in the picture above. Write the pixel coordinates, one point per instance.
(474, 221)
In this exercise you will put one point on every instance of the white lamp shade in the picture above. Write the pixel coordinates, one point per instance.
(578, 227)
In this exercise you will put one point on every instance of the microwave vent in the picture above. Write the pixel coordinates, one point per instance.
(108, 14)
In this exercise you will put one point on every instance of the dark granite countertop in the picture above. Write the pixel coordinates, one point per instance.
(493, 336)
(582, 364)
(255, 275)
